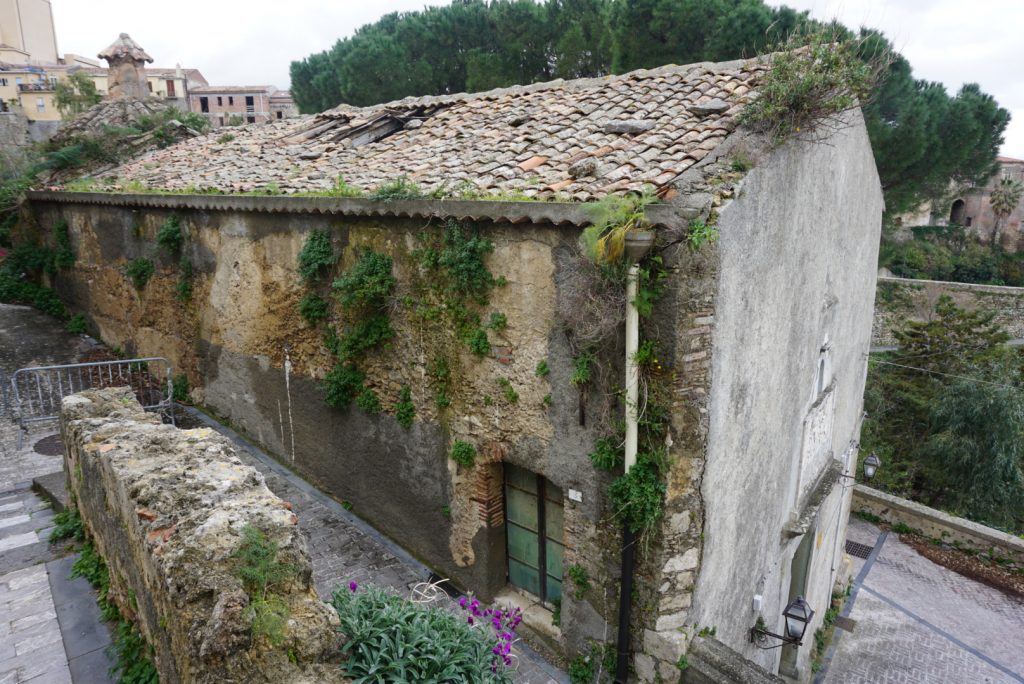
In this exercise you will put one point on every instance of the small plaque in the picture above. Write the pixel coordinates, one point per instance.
(575, 495)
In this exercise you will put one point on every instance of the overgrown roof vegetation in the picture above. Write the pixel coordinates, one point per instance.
(921, 136)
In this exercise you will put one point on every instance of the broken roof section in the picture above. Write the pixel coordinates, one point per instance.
(575, 140)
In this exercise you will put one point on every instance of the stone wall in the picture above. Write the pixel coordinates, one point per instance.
(899, 300)
(936, 524)
(13, 140)
(166, 509)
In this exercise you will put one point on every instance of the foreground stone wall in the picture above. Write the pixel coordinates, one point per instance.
(166, 508)
(899, 300)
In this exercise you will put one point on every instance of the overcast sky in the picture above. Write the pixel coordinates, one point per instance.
(253, 42)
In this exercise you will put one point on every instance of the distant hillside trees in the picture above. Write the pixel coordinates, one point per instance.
(922, 137)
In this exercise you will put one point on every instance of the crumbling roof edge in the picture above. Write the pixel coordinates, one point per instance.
(554, 213)
(558, 83)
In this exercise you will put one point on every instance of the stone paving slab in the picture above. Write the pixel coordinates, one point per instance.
(30, 644)
(922, 623)
(85, 635)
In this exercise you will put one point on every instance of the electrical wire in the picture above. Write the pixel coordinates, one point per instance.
(949, 375)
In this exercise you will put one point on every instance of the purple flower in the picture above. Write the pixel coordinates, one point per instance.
(462, 602)
(469, 619)
(352, 586)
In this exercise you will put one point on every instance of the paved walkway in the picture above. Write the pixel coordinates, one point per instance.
(922, 623)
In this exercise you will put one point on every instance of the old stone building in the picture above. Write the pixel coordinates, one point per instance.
(474, 409)
(971, 208)
(242, 104)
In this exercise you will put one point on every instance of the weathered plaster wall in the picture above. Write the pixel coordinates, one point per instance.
(166, 509)
(900, 300)
(798, 252)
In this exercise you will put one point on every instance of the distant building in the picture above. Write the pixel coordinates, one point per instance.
(27, 35)
(971, 207)
(221, 104)
(172, 85)
(282, 106)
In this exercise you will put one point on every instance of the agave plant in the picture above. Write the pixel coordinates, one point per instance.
(611, 219)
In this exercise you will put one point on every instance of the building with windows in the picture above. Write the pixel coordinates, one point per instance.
(224, 105)
(282, 106)
(479, 429)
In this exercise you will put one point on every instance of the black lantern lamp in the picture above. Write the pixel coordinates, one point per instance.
(798, 615)
(871, 464)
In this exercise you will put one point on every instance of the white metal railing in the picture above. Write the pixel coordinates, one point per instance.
(36, 392)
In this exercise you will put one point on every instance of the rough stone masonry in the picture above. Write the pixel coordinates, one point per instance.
(166, 509)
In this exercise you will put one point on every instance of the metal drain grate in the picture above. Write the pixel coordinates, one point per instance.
(858, 550)
(49, 446)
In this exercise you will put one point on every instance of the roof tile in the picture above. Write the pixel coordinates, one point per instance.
(522, 138)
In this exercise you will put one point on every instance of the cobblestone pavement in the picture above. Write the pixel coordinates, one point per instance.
(31, 648)
(919, 622)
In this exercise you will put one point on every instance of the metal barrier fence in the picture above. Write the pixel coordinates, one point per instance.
(37, 392)
(5, 401)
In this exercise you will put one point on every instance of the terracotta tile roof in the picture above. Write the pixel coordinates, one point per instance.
(123, 47)
(578, 139)
(234, 89)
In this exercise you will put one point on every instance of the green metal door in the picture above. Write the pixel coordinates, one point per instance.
(534, 532)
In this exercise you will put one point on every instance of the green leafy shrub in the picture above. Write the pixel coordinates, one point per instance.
(342, 385)
(68, 525)
(76, 325)
(497, 321)
(400, 188)
(699, 233)
(170, 236)
(405, 411)
(476, 340)
(542, 370)
(369, 282)
(316, 255)
(582, 370)
(463, 453)
(580, 579)
(183, 288)
(133, 657)
(393, 640)
(313, 307)
(366, 333)
(368, 401)
(608, 453)
(179, 388)
(343, 189)
(63, 256)
(511, 396)
(636, 497)
(140, 271)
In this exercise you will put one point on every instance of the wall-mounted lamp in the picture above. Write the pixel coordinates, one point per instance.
(798, 615)
(871, 464)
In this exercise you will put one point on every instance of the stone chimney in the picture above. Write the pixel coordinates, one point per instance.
(127, 68)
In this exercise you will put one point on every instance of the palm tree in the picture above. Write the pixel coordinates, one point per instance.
(1004, 199)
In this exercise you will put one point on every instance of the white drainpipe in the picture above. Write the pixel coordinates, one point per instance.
(632, 371)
